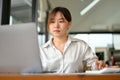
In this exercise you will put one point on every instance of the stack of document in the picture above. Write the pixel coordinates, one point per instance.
(104, 70)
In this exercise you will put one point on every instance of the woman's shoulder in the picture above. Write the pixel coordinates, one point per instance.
(77, 40)
(46, 44)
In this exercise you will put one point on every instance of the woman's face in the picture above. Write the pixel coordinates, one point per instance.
(59, 25)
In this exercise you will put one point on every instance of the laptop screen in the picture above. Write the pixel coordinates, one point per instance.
(19, 50)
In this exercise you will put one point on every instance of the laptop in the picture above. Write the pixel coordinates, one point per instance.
(19, 50)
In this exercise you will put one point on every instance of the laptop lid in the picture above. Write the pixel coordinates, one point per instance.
(19, 50)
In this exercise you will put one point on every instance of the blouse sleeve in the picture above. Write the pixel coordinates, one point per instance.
(89, 56)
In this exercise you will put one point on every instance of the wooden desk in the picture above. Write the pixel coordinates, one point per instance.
(59, 77)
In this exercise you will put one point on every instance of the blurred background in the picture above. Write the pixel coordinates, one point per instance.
(95, 21)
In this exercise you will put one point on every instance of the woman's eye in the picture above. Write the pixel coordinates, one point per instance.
(61, 21)
(52, 21)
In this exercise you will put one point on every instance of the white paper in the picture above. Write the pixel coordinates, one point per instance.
(104, 70)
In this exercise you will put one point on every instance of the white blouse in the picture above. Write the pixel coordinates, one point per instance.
(71, 60)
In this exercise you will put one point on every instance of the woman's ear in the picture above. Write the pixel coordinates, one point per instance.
(70, 24)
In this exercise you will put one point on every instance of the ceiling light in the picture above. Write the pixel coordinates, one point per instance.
(93, 3)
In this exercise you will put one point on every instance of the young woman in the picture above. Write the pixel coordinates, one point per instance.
(63, 53)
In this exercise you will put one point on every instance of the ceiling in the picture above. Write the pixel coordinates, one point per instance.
(104, 16)
(21, 11)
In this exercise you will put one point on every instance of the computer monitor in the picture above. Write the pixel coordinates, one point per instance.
(19, 49)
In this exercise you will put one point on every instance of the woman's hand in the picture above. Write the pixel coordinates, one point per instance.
(100, 64)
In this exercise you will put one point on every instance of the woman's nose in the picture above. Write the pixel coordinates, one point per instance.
(56, 24)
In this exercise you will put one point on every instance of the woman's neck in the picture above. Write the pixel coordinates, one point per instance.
(59, 43)
(60, 40)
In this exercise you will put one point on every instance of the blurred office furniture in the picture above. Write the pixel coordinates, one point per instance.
(102, 53)
(76, 76)
(116, 55)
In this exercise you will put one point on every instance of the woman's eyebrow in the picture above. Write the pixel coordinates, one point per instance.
(52, 19)
(61, 19)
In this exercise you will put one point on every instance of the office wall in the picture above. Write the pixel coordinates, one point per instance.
(0, 10)
(116, 41)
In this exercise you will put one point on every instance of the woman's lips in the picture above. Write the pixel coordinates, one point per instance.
(56, 31)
